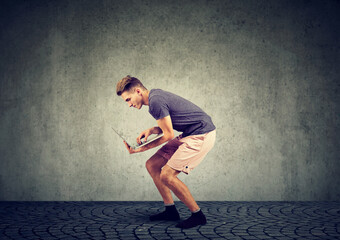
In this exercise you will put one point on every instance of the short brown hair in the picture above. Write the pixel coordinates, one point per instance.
(128, 83)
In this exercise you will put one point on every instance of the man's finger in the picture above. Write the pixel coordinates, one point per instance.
(131, 150)
(139, 139)
(127, 145)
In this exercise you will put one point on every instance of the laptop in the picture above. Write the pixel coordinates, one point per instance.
(151, 138)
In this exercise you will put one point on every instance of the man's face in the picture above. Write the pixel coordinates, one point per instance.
(133, 98)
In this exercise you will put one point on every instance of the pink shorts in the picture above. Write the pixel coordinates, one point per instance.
(184, 154)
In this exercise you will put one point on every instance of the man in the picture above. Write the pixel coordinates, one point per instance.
(180, 154)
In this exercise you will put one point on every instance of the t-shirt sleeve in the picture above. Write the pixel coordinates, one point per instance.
(158, 107)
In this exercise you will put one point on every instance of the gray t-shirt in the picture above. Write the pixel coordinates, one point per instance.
(186, 117)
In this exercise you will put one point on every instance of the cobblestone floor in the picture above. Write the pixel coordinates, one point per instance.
(129, 220)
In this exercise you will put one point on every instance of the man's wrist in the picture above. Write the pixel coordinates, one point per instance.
(142, 149)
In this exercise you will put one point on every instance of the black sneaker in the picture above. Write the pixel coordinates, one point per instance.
(193, 221)
(170, 214)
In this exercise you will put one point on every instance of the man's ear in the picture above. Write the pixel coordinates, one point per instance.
(138, 91)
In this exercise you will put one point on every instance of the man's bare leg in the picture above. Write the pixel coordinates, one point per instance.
(169, 178)
(154, 166)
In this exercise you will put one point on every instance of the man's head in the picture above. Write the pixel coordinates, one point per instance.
(132, 91)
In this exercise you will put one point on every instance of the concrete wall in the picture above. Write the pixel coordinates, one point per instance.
(266, 71)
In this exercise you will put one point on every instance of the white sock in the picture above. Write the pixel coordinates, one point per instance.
(197, 211)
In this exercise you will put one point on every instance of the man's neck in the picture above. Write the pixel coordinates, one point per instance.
(146, 97)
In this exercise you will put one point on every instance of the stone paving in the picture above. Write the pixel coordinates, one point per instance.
(129, 220)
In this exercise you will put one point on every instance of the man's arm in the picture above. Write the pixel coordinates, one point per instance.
(165, 124)
(145, 134)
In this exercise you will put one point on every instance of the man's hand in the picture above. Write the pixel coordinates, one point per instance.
(164, 125)
(131, 150)
(145, 134)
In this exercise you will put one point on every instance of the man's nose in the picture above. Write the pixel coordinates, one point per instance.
(130, 104)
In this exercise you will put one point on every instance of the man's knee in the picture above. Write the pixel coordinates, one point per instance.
(167, 177)
(149, 165)
(155, 164)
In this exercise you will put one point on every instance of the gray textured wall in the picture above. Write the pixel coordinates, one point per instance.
(266, 71)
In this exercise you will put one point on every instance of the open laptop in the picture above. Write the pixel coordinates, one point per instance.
(151, 138)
